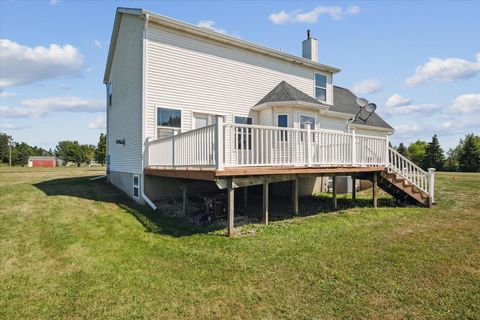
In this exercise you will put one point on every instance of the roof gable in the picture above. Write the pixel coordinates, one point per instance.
(284, 92)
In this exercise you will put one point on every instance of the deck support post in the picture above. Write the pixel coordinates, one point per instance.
(374, 189)
(354, 188)
(295, 196)
(230, 208)
(265, 201)
(184, 199)
(334, 191)
(245, 197)
(219, 143)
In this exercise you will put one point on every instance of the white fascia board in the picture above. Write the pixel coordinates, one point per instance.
(302, 104)
(337, 114)
(362, 126)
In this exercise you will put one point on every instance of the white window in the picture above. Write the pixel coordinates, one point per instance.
(169, 122)
(109, 94)
(320, 87)
(307, 118)
(136, 186)
(244, 135)
(202, 120)
(282, 122)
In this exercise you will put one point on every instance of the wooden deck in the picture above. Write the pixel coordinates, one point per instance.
(212, 174)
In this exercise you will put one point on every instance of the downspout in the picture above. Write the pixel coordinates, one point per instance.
(144, 196)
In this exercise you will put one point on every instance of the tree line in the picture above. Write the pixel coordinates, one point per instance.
(68, 151)
(465, 157)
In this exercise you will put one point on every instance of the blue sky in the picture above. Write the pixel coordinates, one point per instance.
(419, 61)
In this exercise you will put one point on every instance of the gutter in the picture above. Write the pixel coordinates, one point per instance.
(144, 196)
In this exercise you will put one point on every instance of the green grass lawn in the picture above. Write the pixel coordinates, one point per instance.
(74, 248)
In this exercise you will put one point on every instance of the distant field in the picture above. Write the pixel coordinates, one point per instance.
(74, 248)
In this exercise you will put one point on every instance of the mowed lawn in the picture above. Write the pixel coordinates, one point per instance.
(74, 248)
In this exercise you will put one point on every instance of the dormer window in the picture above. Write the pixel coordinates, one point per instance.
(320, 87)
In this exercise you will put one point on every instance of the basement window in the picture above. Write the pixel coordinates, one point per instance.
(136, 186)
(320, 87)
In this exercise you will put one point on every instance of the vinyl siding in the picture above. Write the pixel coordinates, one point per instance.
(199, 75)
(124, 117)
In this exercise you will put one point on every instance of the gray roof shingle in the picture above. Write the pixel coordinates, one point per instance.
(285, 92)
(344, 101)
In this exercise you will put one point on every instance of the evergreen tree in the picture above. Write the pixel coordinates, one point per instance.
(434, 157)
(469, 155)
(451, 164)
(402, 149)
(4, 147)
(101, 151)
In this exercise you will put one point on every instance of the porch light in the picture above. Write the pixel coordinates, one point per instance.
(369, 108)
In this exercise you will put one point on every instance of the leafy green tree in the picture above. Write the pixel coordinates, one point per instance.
(88, 153)
(416, 151)
(451, 163)
(402, 149)
(469, 154)
(101, 150)
(70, 151)
(434, 157)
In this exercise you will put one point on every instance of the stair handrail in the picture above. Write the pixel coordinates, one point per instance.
(420, 179)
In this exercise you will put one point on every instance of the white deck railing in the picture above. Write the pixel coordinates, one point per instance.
(408, 170)
(251, 145)
(235, 145)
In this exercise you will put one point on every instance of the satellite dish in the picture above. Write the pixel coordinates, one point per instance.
(371, 107)
(361, 102)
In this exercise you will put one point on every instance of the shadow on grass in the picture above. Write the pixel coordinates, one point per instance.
(161, 223)
(101, 191)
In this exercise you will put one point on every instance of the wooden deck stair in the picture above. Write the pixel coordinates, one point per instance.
(401, 189)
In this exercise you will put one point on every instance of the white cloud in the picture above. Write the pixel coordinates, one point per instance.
(413, 108)
(367, 86)
(54, 2)
(10, 126)
(466, 103)
(23, 65)
(407, 128)
(397, 100)
(98, 44)
(300, 16)
(460, 125)
(4, 94)
(399, 105)
(99, 122)
(444, 70)
(41, 107)
(210, 24)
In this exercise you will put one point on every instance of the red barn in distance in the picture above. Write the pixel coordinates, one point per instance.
(38, 161)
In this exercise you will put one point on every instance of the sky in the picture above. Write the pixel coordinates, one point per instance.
(419, 61)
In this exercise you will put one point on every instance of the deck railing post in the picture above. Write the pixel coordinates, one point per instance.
(308, 141)
(354, 148)
(387, 160)
(173, 150)
(431, 186)
(219, 144)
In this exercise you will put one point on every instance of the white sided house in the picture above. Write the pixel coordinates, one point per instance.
(187, 106)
